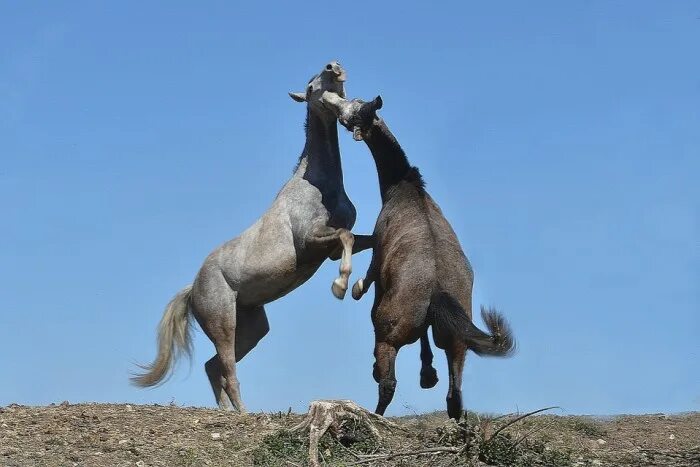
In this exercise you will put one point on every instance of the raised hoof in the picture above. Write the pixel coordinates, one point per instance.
(428, 378)
(357, 289)
(339, 289)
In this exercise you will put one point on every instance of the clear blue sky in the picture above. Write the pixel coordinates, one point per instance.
(561, 139)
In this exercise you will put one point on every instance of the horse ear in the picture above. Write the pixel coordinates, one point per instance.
(298, 96)
(376, 104)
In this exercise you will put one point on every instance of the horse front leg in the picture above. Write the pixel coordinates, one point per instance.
(362, 243)
(340, 285)
(362, 285)
(327, 236)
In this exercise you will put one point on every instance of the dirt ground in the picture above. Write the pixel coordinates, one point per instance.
(103, 435)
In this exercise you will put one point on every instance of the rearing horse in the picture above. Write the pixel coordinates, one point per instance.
(422, 277)
(309, 221)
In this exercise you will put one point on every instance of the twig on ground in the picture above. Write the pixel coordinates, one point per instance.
(518, 419)
(378, 457)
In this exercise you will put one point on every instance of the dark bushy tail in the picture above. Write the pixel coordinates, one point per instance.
(173, 339)
(449, 319)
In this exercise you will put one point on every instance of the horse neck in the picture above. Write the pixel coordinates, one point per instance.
(320, 160)
(390, 159)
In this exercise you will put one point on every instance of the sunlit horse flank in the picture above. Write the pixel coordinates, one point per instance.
(309, 221)
(422, 277)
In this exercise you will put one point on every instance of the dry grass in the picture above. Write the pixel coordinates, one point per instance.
(102, 435)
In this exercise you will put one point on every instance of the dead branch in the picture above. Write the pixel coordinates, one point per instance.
(518, 419)
(324, 414)
(381, 457)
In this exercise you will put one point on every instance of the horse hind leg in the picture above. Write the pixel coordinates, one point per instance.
(215, 311)
(251, 327)
(385, 374)
(226, 351)
(428, 374)
(456, 354)
(216, 379)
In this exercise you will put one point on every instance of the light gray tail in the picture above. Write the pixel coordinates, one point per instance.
(173, 340)
(449, 319)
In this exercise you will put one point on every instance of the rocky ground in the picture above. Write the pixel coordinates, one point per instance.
(104, 435)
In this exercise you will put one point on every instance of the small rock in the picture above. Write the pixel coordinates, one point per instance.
(123, 441)
(195, 421)
(140, 464)
(672, 436)
(216, 436)
(129, 408)
(596, 462)
(601, 442)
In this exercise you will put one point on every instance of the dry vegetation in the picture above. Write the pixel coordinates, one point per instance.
(125, 435)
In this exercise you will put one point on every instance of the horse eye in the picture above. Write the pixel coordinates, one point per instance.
(329, 67)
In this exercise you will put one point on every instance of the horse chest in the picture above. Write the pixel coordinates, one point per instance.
(342, 215)
(321, 203)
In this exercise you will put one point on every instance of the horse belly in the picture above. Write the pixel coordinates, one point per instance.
(271, 274)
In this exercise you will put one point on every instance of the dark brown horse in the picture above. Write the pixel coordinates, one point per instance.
(422, 277)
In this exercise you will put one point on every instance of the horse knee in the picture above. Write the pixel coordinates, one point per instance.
(375, 372)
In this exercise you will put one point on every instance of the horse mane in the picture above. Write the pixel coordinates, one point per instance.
(414, 177)
(306, 132)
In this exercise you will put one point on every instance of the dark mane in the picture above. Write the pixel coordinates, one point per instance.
(414, 177)
(306, 133)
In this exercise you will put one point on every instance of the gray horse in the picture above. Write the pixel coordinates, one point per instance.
(309, 221)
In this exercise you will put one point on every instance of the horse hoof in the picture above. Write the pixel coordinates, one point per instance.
(428, 378)
(338, 289)
(357, 290)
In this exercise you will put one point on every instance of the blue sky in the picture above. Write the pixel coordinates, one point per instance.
(560, 139)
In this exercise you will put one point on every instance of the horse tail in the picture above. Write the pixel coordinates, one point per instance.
(173, 339)
(449, 319)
